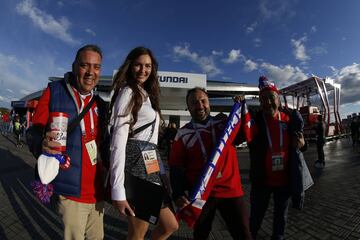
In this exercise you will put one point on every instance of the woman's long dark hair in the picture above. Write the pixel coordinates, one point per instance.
(124, 78)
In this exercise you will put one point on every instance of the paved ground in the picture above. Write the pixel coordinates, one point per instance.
(332, 206)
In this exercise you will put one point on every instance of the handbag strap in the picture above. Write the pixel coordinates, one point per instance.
(76, 121)
(161, 164)
(152, 124)
(143, 127)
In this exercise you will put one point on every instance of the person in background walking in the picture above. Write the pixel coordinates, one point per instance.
(5, 121)
(169, 136)
(11, 122)
(320, 142)
(17, 131)
(354, 127)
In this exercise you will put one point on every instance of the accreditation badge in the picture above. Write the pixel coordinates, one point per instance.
(277, 160)
(91, 149)
(151, 161)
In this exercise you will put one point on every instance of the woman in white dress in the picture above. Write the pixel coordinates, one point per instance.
(135, 103)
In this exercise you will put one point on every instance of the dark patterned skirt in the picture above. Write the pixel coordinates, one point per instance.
(134, 163)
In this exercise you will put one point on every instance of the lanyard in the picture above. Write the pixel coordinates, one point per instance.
(82, 122)
(269, 137)
(198, 135)
(72, 90)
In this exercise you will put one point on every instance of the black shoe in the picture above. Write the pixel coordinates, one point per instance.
(319, 164)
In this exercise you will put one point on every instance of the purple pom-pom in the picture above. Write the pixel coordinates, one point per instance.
(42, 191)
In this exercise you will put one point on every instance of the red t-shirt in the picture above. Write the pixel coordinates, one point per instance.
(91, 183)
(186, 153)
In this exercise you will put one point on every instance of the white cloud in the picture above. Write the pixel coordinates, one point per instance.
(184, 51)
(46, 22)
(226, 78)
(319, 50)
(217, 53)
(313, 29)
(5, 101)
(19, 76)
(349, 109)
(91, 32)
(250, 65)
(333, 68)
(25, 92)
(251, 28)
(257, 42)
(10, 66)
(300, 49)
(283, 75)
(276, 8)
(233, 56)
(349, 78)
(206, 63)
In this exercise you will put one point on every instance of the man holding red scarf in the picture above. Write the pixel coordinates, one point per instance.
(191, 149)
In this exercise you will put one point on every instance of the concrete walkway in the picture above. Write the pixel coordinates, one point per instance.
(332, 206)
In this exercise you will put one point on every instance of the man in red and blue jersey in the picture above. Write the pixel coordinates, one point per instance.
(191, 149)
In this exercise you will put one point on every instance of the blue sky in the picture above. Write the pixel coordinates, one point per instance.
(229, 40)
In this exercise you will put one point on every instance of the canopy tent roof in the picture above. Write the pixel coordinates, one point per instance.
(308, 87)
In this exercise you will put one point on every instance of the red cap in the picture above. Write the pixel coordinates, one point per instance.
(266, 85)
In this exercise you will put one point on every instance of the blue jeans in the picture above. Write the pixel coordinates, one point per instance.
(259, 200)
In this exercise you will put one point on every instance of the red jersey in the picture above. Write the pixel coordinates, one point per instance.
(276, 177)
(187, 153)
(91, 185)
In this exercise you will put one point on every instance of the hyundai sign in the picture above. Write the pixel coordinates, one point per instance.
(181, 80)
(18, 104)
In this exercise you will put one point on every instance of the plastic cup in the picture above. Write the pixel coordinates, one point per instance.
(58, 125)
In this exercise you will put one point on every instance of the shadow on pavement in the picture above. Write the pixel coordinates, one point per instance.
(15, 181)
(22, 215)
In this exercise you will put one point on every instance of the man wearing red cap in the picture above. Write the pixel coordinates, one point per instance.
(269, 144)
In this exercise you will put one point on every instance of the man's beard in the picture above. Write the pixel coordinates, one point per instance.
(269, 111)
(199, 117)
